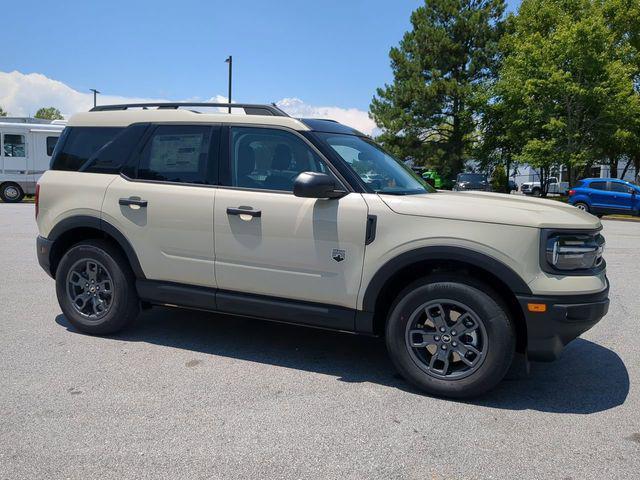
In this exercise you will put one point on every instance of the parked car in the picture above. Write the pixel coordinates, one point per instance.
(553, 187)
(266, 216)
(471, 181)
(432, 178)
(25, 153)
(601, 196)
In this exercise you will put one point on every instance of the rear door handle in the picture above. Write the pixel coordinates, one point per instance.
(244, 211)
(133, 201)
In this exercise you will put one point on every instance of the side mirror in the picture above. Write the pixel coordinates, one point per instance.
(316, 185)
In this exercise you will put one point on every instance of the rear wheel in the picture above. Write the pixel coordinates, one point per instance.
(450, 336)
(535, 192)
(582, 206)
(96, 288)
(11, 192)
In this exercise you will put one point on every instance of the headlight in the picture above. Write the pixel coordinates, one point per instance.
(573, 251)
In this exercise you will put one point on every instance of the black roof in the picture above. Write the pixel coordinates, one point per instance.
(329, 126)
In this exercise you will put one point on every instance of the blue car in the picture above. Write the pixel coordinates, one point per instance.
(601, 196)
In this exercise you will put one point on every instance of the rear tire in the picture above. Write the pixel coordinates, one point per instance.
(449, 316)
(535, 192)
(11, 192)
(582, 206)
(96, 288)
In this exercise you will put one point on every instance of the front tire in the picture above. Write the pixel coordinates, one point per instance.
(96, 288)
(450, 336)
(11, 192)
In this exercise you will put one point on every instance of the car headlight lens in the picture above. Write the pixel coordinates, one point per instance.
(569, 251)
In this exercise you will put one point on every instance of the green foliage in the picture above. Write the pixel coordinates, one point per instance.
(440, 68)
(49, 113)
(499, 180)
(2, 112)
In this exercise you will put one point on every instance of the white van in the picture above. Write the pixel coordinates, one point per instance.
(26, 145)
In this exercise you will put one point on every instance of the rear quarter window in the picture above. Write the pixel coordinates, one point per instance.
(79, 144)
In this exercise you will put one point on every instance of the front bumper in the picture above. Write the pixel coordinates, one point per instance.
(565, 318)
(43, 249)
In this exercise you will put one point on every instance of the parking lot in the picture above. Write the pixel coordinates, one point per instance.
(193, 395)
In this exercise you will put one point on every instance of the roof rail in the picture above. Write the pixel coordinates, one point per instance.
(249, 108)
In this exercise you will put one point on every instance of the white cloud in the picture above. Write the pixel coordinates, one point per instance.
(23, 94)
(358, 119)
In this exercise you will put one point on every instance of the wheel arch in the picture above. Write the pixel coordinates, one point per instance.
(75, 229)
(402, 270)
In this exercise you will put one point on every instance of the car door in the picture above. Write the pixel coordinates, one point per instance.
(274, 244)
(598, 195)
(163, 203)
(621, 198)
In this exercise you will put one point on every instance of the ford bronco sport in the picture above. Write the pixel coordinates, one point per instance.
(310, 222)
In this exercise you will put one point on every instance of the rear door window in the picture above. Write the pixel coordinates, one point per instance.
(180, 154)
(619, 187)
(598, 185)
(78, 144)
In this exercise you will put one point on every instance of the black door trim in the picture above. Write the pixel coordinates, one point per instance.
(285, 310)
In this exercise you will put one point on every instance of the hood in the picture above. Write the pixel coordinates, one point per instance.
(492, 208)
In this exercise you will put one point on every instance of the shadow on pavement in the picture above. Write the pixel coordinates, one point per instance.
(587, 378)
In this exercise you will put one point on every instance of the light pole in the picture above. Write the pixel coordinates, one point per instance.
(95, 93)
(230, 62)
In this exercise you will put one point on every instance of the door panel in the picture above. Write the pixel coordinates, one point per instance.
(172, 235)
(298, 248)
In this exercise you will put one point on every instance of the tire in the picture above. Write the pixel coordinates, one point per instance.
(535, 192)
(11, 192)
(493, 336)
(102, 312)
(582, 206)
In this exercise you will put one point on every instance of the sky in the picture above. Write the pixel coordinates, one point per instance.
(315, 58)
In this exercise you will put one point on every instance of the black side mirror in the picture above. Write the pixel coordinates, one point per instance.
(316, 185)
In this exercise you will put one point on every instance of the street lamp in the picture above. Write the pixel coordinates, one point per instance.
(95, 93)
(230, 62)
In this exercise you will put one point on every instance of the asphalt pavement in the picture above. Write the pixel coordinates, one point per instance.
(189, 395)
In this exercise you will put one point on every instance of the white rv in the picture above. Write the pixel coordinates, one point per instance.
(26, 145)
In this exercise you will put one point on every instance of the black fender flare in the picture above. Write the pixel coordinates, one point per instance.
(442, 253)
(88, 221)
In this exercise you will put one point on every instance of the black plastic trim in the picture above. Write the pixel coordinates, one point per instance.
(370, 236)
(319, 315)
(43, 250)
(249, 108)
(442, 253)
(88, 221)
(566, 317)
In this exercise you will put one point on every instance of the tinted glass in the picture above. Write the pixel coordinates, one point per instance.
(78, 144)
(380, 171)
(619, 187)
(270, 159)
(115, 153)
(177, 153)
(14, 145)
(51, 145)
(598, 185)
(579, 184)
(471, 177)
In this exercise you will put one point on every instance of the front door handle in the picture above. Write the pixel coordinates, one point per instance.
(244, 211)
(133, 201)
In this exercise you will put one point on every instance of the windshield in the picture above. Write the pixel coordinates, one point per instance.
(471, 177)
(379, 170)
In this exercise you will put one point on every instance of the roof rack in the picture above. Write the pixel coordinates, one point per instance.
(249, 108)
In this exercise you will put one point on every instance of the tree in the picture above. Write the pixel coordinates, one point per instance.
(499, 180)
(2, 112)
(49, 113)
(429, 112)
(568, 86)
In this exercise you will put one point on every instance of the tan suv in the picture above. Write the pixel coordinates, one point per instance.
(310, 222)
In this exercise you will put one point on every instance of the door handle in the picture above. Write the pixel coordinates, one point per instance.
(133, 201)
(244, 211)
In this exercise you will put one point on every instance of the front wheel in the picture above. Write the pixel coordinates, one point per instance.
(96, 288)
(11, 192)
(450, 336)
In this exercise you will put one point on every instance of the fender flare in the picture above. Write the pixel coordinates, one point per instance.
(88, 221)
(442, 253)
